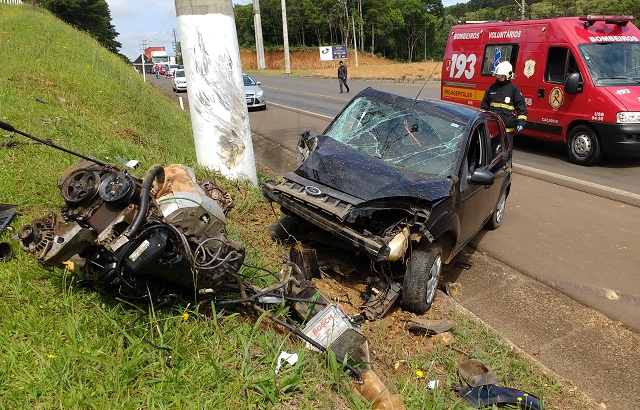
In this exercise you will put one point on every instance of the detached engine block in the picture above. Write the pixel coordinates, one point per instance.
(142, 240)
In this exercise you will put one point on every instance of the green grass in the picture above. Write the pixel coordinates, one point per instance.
(66, 347)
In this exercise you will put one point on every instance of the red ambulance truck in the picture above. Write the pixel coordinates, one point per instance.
(580, 77)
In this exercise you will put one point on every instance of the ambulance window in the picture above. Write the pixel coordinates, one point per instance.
(556, 63)
(494, 54)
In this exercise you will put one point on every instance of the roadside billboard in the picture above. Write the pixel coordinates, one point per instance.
(329, 53)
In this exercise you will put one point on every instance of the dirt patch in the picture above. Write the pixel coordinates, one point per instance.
(368, 66)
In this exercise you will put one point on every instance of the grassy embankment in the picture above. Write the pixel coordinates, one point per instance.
(66, 347)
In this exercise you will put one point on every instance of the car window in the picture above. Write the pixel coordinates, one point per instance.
(475, 156)
(248, 80)
(405, 137)
(496, 138)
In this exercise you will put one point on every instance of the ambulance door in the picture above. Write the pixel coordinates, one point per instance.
(557, 108)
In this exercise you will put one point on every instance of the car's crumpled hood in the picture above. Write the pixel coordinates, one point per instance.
(348, 170)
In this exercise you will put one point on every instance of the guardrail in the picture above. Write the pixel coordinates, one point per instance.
(11, 1)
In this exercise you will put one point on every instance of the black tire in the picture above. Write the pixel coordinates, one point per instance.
(583, 146)
(420, 285)
(498, 212)
(283, 228)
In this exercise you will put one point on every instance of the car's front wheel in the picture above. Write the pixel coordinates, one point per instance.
(498, 212)
(421, 278)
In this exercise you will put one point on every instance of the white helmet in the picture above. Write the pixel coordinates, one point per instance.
(504, 68)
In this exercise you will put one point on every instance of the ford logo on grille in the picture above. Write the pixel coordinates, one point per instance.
(313, 191)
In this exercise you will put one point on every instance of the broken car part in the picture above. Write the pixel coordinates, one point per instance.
(429, 326)
(141, 240)
(6, 213)
(6, 253)
(8, 127)
(406, 182)
(475, 373)
(489, 395)
(382, 296)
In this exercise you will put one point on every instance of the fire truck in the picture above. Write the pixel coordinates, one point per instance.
(579, 76)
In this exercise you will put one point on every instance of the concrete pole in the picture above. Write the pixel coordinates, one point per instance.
(257, 23)
(144, 69)
(285, 35)
(355, 47)
(219, 116)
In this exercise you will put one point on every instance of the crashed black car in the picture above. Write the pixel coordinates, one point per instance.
(407, 181)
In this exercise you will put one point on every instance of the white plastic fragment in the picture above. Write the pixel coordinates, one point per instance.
(291, 358)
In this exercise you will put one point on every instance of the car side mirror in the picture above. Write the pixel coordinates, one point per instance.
(573, 84)
(306, 144)
(481, 176)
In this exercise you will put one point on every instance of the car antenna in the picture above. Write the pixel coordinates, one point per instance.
(416, 99)
(8, 127)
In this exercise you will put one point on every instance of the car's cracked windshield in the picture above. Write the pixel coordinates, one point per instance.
(615, 63)
(405, 137)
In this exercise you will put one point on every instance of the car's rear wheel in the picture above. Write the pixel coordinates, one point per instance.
(583, 145)
(498, 212)
(283, 228)
(421, 278)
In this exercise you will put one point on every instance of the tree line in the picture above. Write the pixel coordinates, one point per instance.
(402, 30)
(91, 16)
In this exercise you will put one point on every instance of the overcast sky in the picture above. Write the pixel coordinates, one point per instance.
(153, 22)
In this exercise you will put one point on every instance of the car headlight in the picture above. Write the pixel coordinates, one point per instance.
(628, 117)
(259, 94)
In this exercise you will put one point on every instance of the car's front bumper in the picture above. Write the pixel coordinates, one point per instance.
(253, 102)
(327, 211)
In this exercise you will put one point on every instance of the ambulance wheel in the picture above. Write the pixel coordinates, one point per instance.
(421, 278)
(583, 146)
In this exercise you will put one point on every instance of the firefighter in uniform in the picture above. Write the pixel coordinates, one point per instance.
(505, 99)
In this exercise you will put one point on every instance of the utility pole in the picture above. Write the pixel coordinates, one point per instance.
(175, 44)
(257, 23)
(355, 47)
(219, 116)
(521, 3)
(285, 35)
(144, 70)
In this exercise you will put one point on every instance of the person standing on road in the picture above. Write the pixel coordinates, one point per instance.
(505, 99)
(342, 76)
(156, 68)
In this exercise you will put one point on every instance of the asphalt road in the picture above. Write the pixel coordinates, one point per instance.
(570, 227)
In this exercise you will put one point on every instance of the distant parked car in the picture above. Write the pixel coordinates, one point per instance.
(405, 181)
(254, 94)
(172, 69)
(179, 81)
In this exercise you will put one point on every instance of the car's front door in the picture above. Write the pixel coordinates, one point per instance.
(476, 201)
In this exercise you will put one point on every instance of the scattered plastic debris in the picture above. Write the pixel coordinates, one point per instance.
(291, 358)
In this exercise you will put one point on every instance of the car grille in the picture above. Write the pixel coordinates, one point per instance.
(325, 201)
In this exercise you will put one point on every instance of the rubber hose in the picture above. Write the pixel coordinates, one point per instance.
(145, 194)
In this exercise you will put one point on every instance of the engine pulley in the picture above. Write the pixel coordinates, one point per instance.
(117, 188)
(82, 185)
